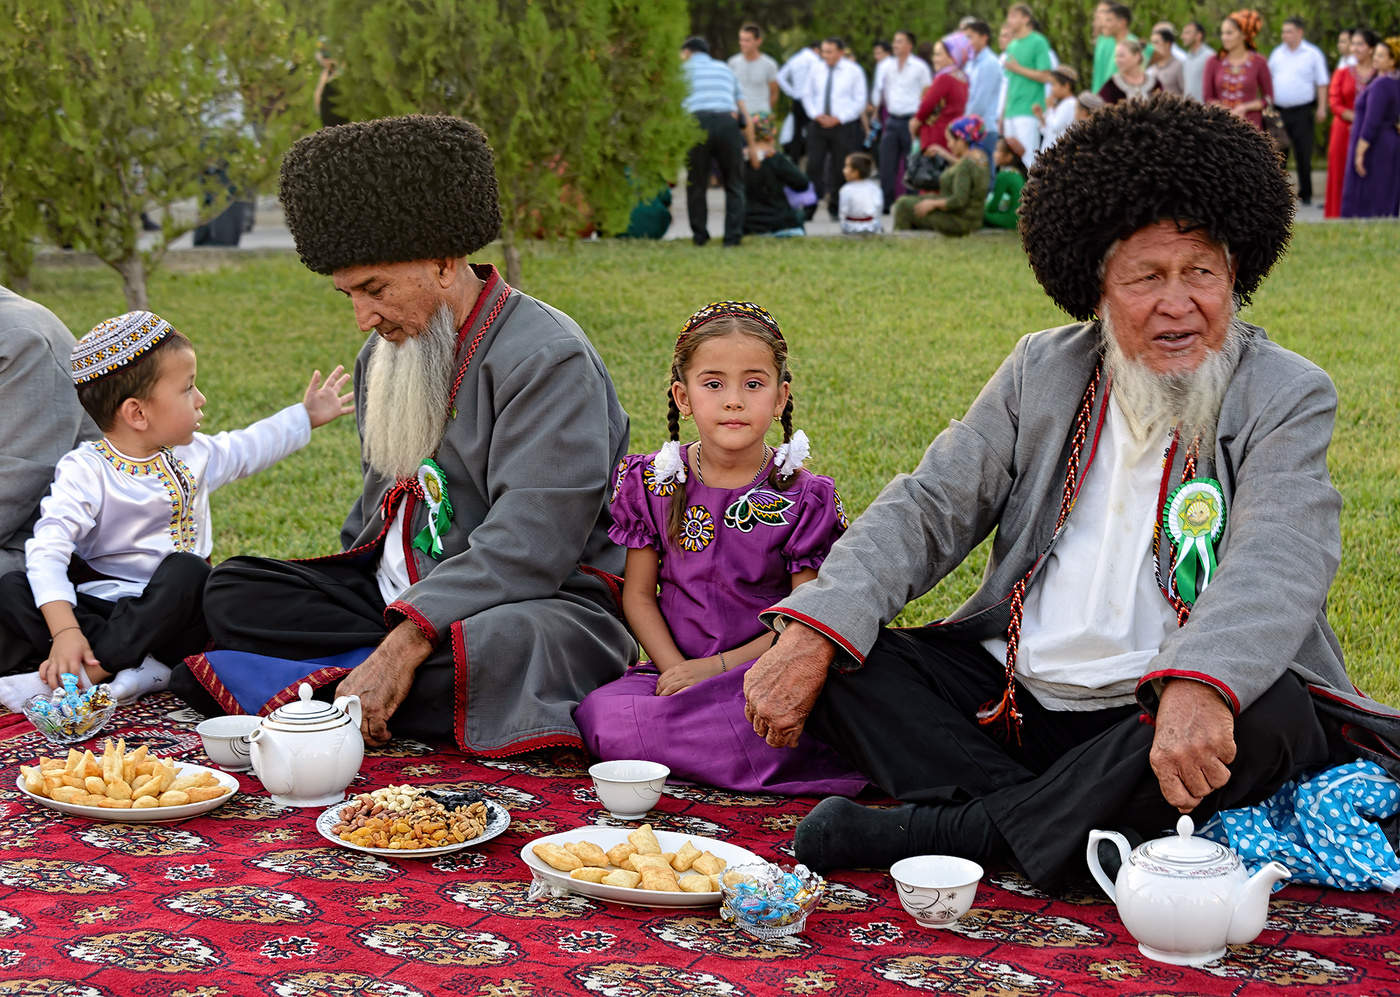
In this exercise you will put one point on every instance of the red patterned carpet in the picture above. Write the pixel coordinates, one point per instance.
(249, 899)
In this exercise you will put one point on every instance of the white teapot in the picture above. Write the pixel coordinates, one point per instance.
(306, 752)
(1185, 898)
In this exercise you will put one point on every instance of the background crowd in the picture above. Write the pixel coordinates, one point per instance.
(941, 133)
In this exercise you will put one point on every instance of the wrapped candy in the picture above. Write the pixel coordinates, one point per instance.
(770, 901)
(68, 715)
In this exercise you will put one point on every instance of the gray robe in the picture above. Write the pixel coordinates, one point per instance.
(528, 453)
(1002, 468)
(40, 418)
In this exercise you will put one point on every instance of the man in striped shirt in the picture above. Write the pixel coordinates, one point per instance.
(715, 101)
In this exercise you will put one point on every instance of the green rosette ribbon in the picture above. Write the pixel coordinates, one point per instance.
(433, 482)
(1194, 517)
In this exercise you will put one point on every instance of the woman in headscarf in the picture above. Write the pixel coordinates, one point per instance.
(1237, 77)
(946, 98)
(768, 176)
(962, 189)
(1132, 81)
(1347, 83)
(1372, 185)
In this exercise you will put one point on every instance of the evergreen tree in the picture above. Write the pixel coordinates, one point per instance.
(108, 110)
(581, 99)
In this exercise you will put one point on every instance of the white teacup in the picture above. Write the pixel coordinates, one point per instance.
(936, 890)
(629, 788)
(226, 741)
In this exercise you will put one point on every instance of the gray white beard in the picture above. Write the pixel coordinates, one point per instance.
(408, 388)
(1154, 403)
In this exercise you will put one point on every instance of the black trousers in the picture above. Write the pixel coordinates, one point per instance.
(797, 147)
(1299, 123)
(827, 149)
(723, 148)
(895, 143)
(165, 621)
(308, 610)
(907, 719)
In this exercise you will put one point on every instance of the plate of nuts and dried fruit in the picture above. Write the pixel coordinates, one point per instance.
(411, 822)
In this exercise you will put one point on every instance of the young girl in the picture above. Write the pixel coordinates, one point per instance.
(725, 526)
(1005, 197)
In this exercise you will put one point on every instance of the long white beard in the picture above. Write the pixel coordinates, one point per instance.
(1154, 403)
(408, 388)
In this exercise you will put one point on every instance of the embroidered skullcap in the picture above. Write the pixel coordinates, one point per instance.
(763, 127)
(719, 309)
(115, 343)
(968, 128)
(1138, 162)
(1249, 22)
(419, 187)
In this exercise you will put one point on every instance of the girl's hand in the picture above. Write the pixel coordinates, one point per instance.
(686, 674)
(70, 654)
(325, 402)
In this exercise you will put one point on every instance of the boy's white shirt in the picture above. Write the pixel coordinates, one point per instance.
(124, 515)
(861, 199)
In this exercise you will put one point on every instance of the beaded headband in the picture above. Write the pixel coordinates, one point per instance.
(115, 343)
(719, 309)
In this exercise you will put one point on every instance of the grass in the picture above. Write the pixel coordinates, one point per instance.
(891, 338)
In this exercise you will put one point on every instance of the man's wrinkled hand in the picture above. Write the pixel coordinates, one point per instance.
(1194, 743)
(783, 684)
(383, 679)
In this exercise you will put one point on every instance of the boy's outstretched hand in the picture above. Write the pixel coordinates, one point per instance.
(324, 401)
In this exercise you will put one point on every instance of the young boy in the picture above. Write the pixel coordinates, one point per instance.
(114, 574)
(861, 199)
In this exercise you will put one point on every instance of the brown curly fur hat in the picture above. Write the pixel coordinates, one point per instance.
(412, 188)
(1137, 162)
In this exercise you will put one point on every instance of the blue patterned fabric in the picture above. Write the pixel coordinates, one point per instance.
(1321, 828)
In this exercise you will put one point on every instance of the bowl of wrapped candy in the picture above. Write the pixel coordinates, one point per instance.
(67, 716)
(768, 900)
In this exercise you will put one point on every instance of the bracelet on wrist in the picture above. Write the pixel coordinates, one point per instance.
(722, 666)
(54, 636)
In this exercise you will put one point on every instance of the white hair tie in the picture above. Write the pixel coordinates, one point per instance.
(793, 454)
(667, 464)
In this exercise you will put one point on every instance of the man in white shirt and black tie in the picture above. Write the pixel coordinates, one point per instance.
(834, 100)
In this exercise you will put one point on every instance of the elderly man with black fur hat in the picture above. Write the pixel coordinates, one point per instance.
(473, 598)
(1150, 636)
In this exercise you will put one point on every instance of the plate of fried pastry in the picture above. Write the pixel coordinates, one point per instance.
(133, 787)
(639, 866)
(411, 822)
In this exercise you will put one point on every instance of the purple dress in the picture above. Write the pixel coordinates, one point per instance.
(1377, 194)
(739, 550)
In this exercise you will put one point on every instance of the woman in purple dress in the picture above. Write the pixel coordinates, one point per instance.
(716, 532)
(1372, 185)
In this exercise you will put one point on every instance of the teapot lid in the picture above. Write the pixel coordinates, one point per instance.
(1184, 854)
(305, 714)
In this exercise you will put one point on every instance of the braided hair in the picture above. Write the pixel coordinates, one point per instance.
(712, 322)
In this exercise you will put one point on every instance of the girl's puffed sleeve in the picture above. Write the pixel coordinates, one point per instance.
(633, 524)
(821, 519)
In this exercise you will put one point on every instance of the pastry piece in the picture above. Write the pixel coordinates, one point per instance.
(623, 878)
(589, 874)
(708, 863)
(588, 852)
(559, 858)
(617, 854)
(644, 839)
(685, 857)
(663, 879)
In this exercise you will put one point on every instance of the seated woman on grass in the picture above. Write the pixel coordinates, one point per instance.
(768, 176)
(1005, 198)
(957, 207)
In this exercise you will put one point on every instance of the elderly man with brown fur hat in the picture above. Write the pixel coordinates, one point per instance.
(1150, 637)
(473, 596)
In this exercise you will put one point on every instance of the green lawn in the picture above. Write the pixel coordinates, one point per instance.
(891, 338)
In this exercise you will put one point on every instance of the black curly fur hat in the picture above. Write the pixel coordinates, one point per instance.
(412, 188)
(1138, 162)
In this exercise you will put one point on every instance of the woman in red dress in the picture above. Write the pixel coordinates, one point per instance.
(944, 100)
(1347, 82)
(1237, 78)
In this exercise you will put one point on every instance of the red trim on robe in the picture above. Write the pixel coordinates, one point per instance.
(318, 678)
(488, 285)
(612, 581)
(204, 672)
(408, 612)
(821, 628)
(1209, 680)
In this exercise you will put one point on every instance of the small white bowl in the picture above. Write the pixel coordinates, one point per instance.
(628, 788)
(936, 890)
(226, 740)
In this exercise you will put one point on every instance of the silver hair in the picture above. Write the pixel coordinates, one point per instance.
(408, 389)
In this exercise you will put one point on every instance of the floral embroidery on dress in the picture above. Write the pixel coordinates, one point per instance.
(840, 510)
(621, 475)
(757, 505)
(661, 488)
(698, 529)
(179, 484)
